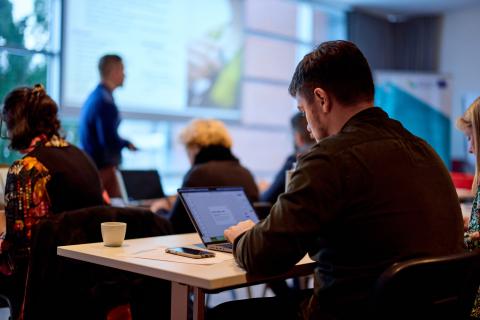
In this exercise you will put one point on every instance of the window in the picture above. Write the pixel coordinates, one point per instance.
(29, 49)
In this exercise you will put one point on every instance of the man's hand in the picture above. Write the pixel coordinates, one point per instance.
(131, 147)
(234, 231)
(474, 235)
(163, 203)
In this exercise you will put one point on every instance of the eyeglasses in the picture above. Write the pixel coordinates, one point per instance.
(3, 129)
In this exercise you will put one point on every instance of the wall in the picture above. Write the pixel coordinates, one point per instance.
(460, 57)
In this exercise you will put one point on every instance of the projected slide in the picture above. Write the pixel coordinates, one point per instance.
(180, 56)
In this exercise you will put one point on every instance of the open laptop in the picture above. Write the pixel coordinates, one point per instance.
(214, 209)
(140, 187)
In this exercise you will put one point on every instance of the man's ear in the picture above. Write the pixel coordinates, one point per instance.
(323, 99)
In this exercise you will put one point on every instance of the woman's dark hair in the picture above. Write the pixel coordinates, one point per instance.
(28, 113)
(340, 68)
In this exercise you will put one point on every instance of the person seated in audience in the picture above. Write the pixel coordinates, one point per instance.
(302, 143)
(469, 123)
(53, 176)
(208, 145)
(368, 194)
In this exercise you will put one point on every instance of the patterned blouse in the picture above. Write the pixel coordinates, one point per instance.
(26, 203)
(471, 244)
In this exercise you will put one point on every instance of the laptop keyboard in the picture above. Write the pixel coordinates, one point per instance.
(225, 247)
(228, 245)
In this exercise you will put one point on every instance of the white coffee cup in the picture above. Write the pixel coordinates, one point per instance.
(113, 233)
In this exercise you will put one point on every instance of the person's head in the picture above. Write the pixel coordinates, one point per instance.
(469, 123)
(301, 136)
(202, 133)
(331, 83)
(29, 113)
(111, 70)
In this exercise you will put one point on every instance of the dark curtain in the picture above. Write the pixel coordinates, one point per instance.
(408, 44)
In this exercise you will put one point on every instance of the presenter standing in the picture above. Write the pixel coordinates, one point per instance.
(99, 123)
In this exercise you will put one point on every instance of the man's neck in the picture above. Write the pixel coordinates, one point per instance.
(110, 85)
(341, 115)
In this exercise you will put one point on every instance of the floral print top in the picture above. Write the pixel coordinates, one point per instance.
(471, 244)
(473, 225)
(26, 202)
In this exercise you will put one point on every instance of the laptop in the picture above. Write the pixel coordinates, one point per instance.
(140, 187)
(214, 209)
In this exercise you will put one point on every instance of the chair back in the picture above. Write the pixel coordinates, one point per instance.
(428, 288)
(61, 288)
(262, 209)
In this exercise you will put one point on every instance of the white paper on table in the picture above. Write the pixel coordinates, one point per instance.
(159, 253)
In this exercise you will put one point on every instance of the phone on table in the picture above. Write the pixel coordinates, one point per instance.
(190, 252)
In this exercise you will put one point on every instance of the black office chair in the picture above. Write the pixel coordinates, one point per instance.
(428, 288)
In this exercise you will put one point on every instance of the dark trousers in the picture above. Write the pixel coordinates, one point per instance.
(110, 182)
(282, 307)
(13, 287)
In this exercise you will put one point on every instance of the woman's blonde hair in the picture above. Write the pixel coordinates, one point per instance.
(471, 120)
(204, 133)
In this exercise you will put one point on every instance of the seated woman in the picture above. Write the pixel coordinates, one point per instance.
(469, 124)
(53, 176)
(208, 146)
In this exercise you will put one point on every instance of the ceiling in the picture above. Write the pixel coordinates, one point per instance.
(404, 7)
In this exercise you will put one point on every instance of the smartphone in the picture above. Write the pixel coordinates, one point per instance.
(190, 252)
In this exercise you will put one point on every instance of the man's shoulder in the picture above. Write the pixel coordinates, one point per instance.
(338, 145)
(99, 96)
(216, 167)
(330, 146)
(218, 170)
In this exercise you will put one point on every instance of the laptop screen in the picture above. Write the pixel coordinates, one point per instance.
(140, 185)
(213, 210)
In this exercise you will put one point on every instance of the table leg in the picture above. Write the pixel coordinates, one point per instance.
(179, 303)
(198, 304)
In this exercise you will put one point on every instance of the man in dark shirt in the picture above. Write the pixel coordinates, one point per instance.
(99, 123)
(366, 195)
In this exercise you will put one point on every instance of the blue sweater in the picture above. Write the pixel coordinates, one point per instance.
(278, 185)
(99, 121)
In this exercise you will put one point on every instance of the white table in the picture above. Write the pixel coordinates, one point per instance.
(199, 278)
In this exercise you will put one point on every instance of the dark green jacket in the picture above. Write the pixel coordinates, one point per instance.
(360, 200)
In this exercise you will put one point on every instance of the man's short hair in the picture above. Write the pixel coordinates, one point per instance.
(299, 124)
(339, 68)
(107, 62)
